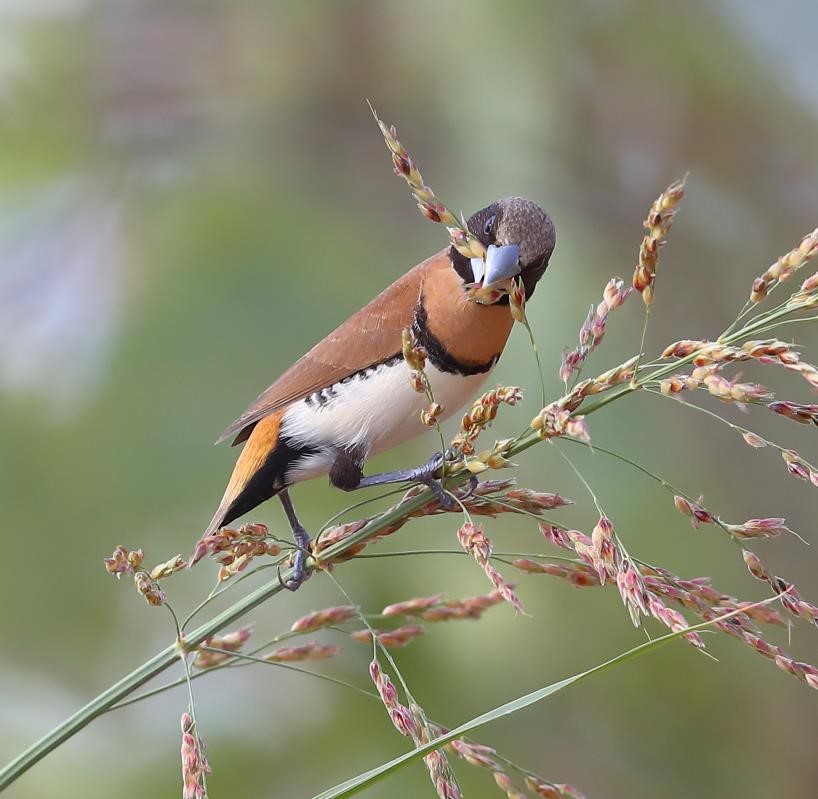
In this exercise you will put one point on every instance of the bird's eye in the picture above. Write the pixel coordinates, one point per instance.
(487, 229)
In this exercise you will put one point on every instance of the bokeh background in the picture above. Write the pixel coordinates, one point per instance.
(192, 194)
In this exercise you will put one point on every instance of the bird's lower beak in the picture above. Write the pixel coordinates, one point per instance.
(500, 264)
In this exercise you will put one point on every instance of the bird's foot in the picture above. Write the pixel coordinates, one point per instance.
(471, 487)
(427, 474)
(299, 572)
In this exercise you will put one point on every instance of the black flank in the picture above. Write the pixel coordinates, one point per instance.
(268, 480)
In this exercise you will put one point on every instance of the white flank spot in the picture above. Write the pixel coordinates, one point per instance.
(373, 413)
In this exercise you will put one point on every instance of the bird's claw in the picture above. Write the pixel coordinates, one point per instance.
(426, 475)
(299, 571)
(471, 487)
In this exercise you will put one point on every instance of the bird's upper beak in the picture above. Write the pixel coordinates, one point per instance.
(500, 264)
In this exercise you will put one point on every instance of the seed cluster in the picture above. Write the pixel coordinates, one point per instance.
(482, 414)
(657, 223)
(785, 267)
(228, 644)
(194, 762)
(477, 544)
(428, 204)
(413, 724)
(593, 329)
(236, 549)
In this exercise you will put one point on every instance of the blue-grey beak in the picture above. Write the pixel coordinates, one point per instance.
(501, 263)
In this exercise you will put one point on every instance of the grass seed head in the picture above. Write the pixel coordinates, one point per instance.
(428, 204)
(410, 607)
(327, 617)
(785, 267)
(123, 561)
(398, 637)
(805, 414)
(414, 356)
(309, 651)
(516, 299)
(230, 643)
(149, 589)
(194, 762)
(168, 567)
(657, 223)
(759, 528)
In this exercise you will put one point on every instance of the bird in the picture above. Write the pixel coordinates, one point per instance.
(350, 396)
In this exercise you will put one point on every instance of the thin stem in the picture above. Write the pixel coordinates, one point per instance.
(536, 356)
(642, 342)
(582, 480)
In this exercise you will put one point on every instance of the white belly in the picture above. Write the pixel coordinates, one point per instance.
(372, 412)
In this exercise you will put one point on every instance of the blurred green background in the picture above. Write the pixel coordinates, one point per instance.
(192, 194)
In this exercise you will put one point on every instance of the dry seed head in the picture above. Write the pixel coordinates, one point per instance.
(613, 377)
(577, 427)
(683, 505)
(593, 328)
(698, 515)
(632, 589)
(535, 501)
(235, 549)
(798, 467)
(507, 786)
(468, 608)
(753, 440)
(805, 414)
(474, 754)
(552, 790)
(785, 267)
(603, 550)
(429, 205)
(475, 543)
(123, 561)
(324, 618)
(657, 223)
(168, 567)
(309, 651)
(580, 575)
(733, 391)
(431, 416)
(516, 300)
(810, 284)
(417, 382)
(229, 643)
(412, 606)
(400, 715)
(482, 413)
(677, 383)
(672, 619)
(194, 762)
(414, 356)
(398, 637)
(149, 589)
(551, 421)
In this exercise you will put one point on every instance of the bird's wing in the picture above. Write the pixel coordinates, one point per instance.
(368, 337)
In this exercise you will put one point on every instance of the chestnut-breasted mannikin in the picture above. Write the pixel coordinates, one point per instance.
(350, 396)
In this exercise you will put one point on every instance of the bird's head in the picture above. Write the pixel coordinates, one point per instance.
(519, 238)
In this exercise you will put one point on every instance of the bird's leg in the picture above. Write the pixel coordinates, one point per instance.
(301, 538)
(347, 475)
